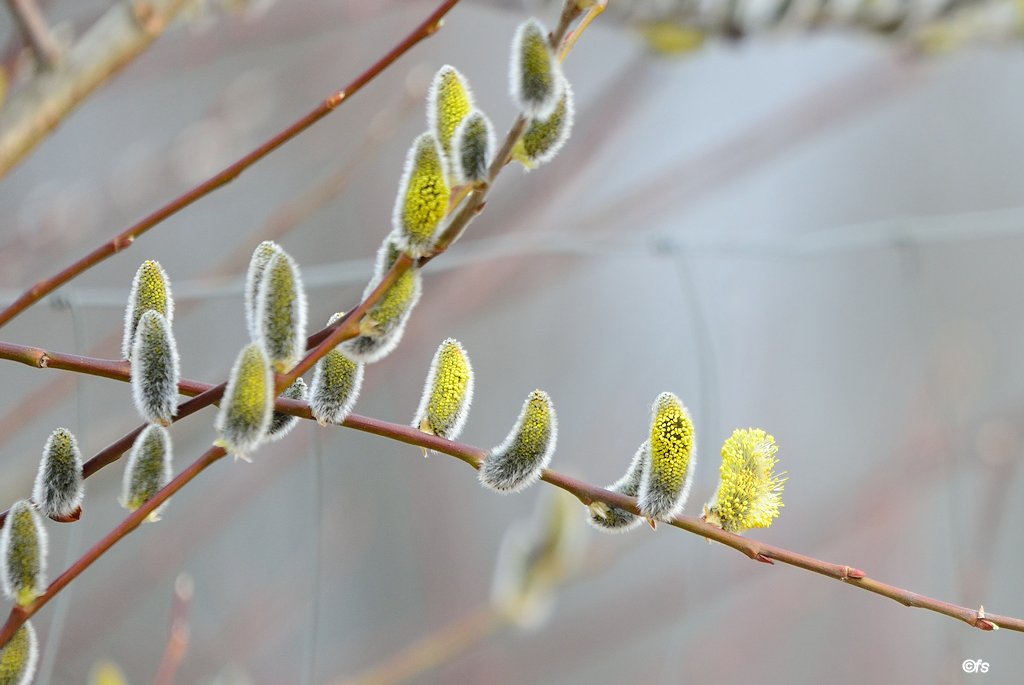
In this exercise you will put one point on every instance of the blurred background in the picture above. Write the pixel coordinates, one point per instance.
(817, 232)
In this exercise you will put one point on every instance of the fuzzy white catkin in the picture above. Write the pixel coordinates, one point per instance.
(148, 469)
(155, 369)
(281, 424)
(337, 381)
(535, 82)
(447, 393)
(261, 257)
(19, 657)
(384, 325)
(519, 460)
(23, 548)
(613, 519)
(248, 404)
(474, 148)
(151, 289)
(281, 312)
(59, 487)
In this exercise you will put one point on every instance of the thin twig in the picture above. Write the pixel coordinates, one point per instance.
(344, 329)
(35, 31)
(117, 37)
(124, 239)
(177, 641)
(433, 649)
(587, 494)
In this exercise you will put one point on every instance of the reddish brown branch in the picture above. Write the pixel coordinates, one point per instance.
(124, 239)
(474, 456)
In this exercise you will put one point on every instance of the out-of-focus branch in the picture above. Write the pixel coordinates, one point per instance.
(475, 456)
(123, 240)
(433, 649)
(177, 641)
(116, 38)
(35, 31)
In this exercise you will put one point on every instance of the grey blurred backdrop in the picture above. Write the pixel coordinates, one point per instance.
(818, 235)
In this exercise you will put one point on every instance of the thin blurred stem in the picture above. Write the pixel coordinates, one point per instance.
(36, 31)
(587, 494)
(177, 641)
(433, 649)
(124, 240)
(113, 41)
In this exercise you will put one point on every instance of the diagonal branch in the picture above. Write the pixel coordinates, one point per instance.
(117, 37)
(123, 240)
(36, 31)
(474, 457)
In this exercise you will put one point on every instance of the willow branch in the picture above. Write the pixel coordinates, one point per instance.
(117, 37)
(586, 493)
(431, 650)
(123, 240)
(35, 31)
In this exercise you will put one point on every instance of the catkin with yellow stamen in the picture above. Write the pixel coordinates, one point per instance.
(148, 469)
(667, 475)
(474, 149)
(151, 289)
(261, 257)
(447, 393)
(535, 82)
(382, 327)
(545, 137)
(613, 519)
(423, 196)
(281, 312)
(155, 369)
(518, 461)
(336, 384)
(280, 423)
(19, 657)
(23, 554)
(749, 493)
(248, 403)
(58, 488)
(449, 102)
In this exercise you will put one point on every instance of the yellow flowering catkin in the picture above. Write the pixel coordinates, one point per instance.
(23, 554)
(474, 149)
(423, 196)
(261, 257)
(518, 461)
(613, 519)
(281, 312)
(535, 82)
(447, 393)
(148, 469)
(545, 137)
(665, 484)
(58, 488)
(336, 384)
(19, 657)
(281, 424)
(248, 403)
(749, 493)
(155, 369)
(382, 327)
(151, 289)
(448, 103)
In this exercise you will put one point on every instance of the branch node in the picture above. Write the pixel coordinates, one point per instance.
(148, 18)
(850, 573)
(763, 559)
(43, 361)
(122, 242)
